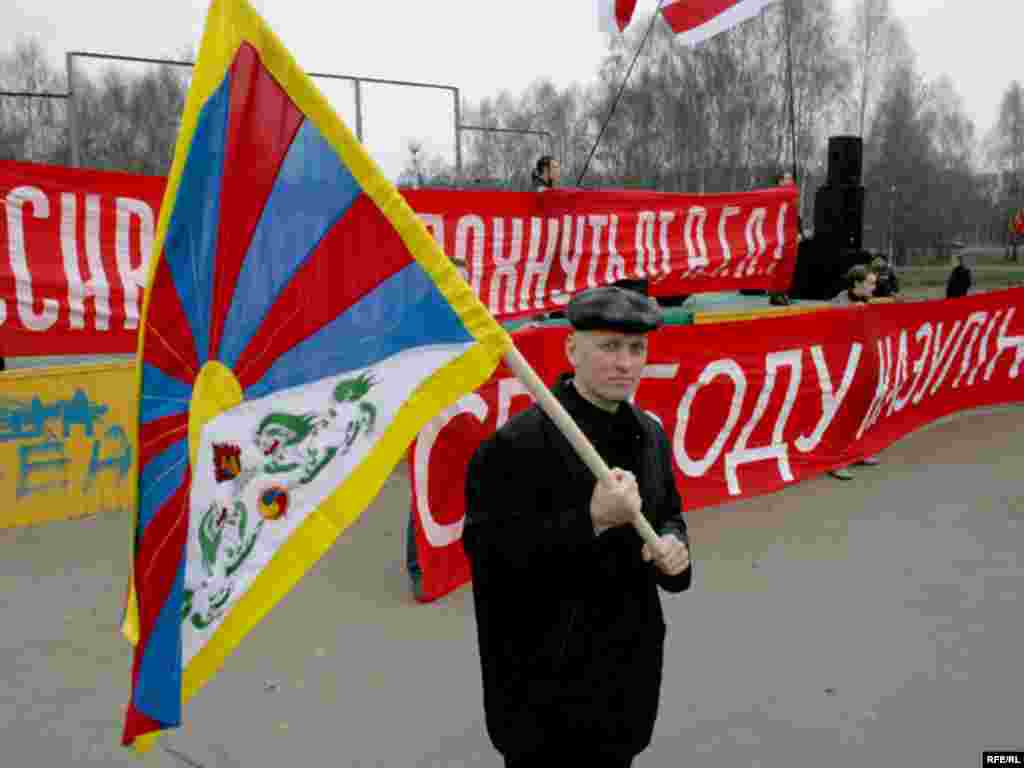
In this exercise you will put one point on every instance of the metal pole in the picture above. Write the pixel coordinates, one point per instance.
(792, 90)
(72, 111)
(892, 225)
(618, 95)
(458, 136)
(359, 110)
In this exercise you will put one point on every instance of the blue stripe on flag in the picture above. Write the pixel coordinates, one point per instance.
(161, 478)
(190, 246)
(158, 690)
(403, 312)
(162, 395)
(312, 191)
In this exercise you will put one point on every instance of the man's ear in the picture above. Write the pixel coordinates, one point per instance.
(570, 347)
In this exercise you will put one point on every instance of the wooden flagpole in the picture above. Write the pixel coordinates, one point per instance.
(583, 447)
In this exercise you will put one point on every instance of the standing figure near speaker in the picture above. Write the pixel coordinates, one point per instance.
(546, 174)
(861, 281)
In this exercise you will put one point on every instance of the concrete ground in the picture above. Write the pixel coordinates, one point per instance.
(868, 623)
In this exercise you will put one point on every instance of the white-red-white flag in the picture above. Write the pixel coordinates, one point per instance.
(615, 14)
(698, 20)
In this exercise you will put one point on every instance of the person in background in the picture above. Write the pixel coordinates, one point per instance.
(860, 281)
(412, 561)
(781, 298)
(888, 284)
(566, 594)
(960, 279)
(860, 287)
(547, 174)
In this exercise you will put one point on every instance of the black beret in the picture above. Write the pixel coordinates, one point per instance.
(610, 308)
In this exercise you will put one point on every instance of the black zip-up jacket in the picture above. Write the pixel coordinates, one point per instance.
(959, 282)
(570, 624)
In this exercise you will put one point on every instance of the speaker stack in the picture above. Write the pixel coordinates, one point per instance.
(822, 261)
(839, 205)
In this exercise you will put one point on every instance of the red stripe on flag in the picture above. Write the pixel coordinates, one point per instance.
(157, 435)
(262, 124)
(358, 253)
(160, 552)
(684, 15)
(169, 344)
(624, 13)
(135, 723)
(159, 556)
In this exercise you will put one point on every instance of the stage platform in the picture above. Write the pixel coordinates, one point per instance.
(730, 307)
(707, 308)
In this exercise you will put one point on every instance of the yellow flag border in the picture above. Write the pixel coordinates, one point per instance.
(229, 24)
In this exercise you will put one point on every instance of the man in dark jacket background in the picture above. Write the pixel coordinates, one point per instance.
(888, 284)
(960, 279)
(569, 618)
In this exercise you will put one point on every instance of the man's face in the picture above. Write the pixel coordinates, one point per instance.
(608, 364)
(866, 287)
(554, 173)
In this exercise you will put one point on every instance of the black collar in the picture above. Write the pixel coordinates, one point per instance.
(586, 413)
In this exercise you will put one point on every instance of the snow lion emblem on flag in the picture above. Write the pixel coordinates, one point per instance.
(258, 484)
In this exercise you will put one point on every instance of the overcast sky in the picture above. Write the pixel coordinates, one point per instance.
(480, 47)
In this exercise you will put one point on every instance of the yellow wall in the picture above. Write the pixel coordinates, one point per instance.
(67, 442)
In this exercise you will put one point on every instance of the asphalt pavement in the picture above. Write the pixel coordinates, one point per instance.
(872, 623)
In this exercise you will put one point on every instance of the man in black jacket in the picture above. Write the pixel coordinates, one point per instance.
(569, 618)
(888, 283)
(960, 279)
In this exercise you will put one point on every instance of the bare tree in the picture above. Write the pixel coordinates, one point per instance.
(1009, 129)
(423, 169)
(878, 44)
(505, 151)
(821, 77)
(1008, 153)
(31, 128)
(130, 123)
(412, 174)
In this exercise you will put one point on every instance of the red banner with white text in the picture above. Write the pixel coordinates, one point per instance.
(530, 252)
(74, 245)
(749, 413)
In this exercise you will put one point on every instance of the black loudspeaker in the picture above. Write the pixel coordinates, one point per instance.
(821, 268)
(845, 161)
(839, 215)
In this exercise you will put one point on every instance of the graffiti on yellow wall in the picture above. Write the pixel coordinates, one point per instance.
(66, 442)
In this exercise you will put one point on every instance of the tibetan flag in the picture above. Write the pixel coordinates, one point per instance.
(615, 14)
(698, 20)
(301, 326)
